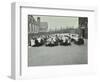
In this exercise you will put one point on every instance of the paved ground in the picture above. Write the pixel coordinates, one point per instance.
(59, 55)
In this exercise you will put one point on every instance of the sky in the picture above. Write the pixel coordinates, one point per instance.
(58, 22)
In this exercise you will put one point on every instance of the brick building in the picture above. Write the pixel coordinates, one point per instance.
(83, 26)
(36, 26)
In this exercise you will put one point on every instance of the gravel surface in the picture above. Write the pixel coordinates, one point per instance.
(58, 55)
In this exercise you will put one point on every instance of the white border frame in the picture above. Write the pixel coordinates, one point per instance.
(17, 72)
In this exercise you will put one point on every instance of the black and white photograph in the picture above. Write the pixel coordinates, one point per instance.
(57, 40)
(53, 41)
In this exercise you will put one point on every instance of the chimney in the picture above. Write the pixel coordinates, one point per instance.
(38, 19)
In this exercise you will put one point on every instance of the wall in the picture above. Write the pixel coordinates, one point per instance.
(5, 39)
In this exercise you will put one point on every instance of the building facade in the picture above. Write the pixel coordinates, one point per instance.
(83, 26)
(36, 26)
